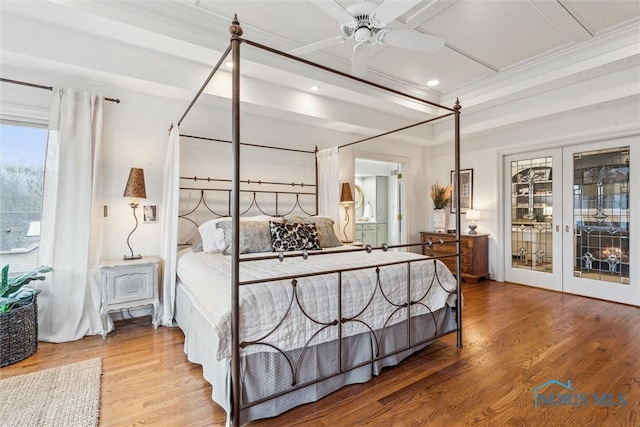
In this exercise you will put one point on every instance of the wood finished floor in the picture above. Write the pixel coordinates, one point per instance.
(515, 338)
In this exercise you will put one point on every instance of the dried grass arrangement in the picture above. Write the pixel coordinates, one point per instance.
(440, 195)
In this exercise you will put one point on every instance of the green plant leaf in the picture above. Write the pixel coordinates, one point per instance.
(5, 279)
(11, 286)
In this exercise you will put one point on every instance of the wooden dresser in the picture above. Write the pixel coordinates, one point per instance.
(474, 249)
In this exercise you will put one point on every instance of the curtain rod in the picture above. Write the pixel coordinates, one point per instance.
(17, 82)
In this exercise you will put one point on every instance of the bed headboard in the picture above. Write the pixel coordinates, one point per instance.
(202, 199)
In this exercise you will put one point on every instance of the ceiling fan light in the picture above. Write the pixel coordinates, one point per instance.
(432, 83)
(362, 34)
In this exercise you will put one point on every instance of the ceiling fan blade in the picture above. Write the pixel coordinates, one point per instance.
(425, 43)
(390, 10)
(360, 60)
(334, 10)
(318, 45)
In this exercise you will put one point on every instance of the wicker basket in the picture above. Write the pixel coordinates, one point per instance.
(18, 333)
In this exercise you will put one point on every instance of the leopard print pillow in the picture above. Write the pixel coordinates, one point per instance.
(293, 237)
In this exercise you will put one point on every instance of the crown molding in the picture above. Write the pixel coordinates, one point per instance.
(614, 45)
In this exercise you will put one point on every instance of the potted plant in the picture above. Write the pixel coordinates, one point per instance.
(18, 315)
(441, 196)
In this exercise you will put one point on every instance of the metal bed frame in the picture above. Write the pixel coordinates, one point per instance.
(234, 210)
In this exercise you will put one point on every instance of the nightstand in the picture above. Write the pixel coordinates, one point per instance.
(129, 284)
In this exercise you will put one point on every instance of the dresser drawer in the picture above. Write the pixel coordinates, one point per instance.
(447, 248)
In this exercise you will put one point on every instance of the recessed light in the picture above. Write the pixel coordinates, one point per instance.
(315, 88)
(228, 64)
(432, 83)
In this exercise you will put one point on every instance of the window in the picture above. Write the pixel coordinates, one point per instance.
(22, 158)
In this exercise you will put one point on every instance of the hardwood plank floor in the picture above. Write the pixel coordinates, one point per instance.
(515, 339)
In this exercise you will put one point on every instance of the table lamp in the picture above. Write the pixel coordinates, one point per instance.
(346, 198)
(473, 215)
(136, 190)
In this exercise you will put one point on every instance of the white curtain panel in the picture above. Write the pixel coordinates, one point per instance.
(169, 227)
(329, 184)
(71, 226)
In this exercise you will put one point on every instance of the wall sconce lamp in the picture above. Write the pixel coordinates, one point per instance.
(473, 215)
(346, 199)
(136, 190)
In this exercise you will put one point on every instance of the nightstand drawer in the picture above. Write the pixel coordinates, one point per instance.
(129, 284)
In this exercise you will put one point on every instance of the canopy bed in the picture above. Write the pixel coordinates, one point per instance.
(276, 310)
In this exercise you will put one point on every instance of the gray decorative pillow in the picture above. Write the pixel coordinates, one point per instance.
(293, 237)
(318, 220)
(326, 234)
(255, 236)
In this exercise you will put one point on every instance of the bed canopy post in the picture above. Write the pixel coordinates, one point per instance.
(457, 107)
(315, 156)
(236, 31)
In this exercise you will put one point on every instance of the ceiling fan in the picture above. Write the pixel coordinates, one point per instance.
(365, 22)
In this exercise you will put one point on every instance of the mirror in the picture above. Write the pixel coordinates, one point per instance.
(359, 197)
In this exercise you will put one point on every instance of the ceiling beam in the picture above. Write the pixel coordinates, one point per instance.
(561, 17)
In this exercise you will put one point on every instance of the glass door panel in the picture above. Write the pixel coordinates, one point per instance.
(533, 248)
(601, 215)
(532, 213)
(602, 218)
(601, 232)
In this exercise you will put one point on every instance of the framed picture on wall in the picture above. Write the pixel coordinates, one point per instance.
(466, 190)
(150, 213)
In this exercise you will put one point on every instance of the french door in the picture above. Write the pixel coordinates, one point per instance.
(572, 219)
(533, 241)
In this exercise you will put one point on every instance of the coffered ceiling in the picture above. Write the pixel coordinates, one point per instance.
(495, 50)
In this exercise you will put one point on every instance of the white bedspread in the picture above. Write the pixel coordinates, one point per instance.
(263, 306)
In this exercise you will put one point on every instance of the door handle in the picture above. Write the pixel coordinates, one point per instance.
(557, 228)
(566, 228)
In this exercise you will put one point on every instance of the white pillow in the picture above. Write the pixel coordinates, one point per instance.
(212, 237)
(213, 240)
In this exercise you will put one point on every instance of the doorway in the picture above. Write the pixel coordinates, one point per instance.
(570, 221)
(379, 202)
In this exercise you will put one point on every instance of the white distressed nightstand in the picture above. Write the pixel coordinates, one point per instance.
(129, 284)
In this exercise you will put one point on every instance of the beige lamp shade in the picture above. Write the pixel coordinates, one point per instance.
(135, 184)
(346, 196)
(473, 214)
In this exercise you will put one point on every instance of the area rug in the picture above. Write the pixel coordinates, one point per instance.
(68, 395)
